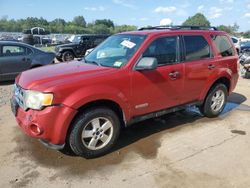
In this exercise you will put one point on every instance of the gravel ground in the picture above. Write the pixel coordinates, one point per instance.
(5, 93)
(183, 149)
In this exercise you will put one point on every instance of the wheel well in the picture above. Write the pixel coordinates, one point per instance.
(70, 50)
(224, 81)
(104, 103)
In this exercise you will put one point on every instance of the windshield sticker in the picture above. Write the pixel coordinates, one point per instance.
(128, 44)
(118, 64)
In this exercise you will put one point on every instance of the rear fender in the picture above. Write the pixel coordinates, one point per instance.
(216, 75)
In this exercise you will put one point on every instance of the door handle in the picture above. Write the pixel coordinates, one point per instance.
(211, 66)
(174, 75)
(24, 59)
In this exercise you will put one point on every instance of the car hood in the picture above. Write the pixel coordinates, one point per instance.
(43, 78)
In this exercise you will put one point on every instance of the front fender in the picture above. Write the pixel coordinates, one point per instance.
(216, 75)
(89, 94)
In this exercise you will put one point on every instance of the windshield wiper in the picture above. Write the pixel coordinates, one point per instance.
(90, 62)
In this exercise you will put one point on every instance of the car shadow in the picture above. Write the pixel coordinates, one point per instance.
(168, 123)
(235, 101)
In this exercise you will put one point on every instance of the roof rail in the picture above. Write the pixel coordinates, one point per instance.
(179, 27)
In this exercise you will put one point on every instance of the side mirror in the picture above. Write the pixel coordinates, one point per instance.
(146, 63)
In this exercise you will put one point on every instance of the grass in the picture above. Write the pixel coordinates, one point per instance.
(48, 49)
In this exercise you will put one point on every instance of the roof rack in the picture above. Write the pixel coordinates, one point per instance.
(179, 27)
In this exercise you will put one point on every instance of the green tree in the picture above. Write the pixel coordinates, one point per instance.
(77, 26)
(197, 20)
(100, 29)
(246, 34)
(229, 29)
(122, 28)
(57, 25)
(105, 22)
(79, 21)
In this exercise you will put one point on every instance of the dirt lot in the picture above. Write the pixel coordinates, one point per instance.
(178, 150)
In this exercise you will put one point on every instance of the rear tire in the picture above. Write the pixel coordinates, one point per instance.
(215, 101)
(94, 132)
(67, 56)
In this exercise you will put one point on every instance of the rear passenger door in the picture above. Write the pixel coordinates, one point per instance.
(199, 63)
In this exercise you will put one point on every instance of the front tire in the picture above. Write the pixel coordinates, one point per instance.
(94, 132)
(67, 56)
(215, 101)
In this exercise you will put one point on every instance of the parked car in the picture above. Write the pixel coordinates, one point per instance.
(245, 63)
(8, 38)
(130, 77)
(67, 52)
(16, 57)
(58, 39)
(237, 44)
(245, 46)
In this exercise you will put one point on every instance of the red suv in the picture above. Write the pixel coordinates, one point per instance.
(130, 77)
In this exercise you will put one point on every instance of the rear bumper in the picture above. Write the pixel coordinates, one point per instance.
(49, 125)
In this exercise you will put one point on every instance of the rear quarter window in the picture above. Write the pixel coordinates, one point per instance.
(223, 45)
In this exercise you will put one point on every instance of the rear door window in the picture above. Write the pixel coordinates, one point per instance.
(223, 45)
(196, 48)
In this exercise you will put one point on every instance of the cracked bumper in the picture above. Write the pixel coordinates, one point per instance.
(49, 125)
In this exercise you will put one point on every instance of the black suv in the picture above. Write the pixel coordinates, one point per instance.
(67, 52)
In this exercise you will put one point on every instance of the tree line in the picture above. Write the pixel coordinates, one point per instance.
(200, 20)
(101, 26)
(77, 26)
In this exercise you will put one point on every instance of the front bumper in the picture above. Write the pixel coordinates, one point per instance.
(58, 55)
(52, 146)
(49, 125)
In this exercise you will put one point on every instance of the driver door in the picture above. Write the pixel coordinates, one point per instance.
(154, 90)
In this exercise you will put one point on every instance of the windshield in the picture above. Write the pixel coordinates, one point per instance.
(75, 39)
(115, 51)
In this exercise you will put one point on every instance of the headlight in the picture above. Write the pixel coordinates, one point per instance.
(36, 100)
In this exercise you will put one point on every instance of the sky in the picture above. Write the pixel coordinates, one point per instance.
(132, 12)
